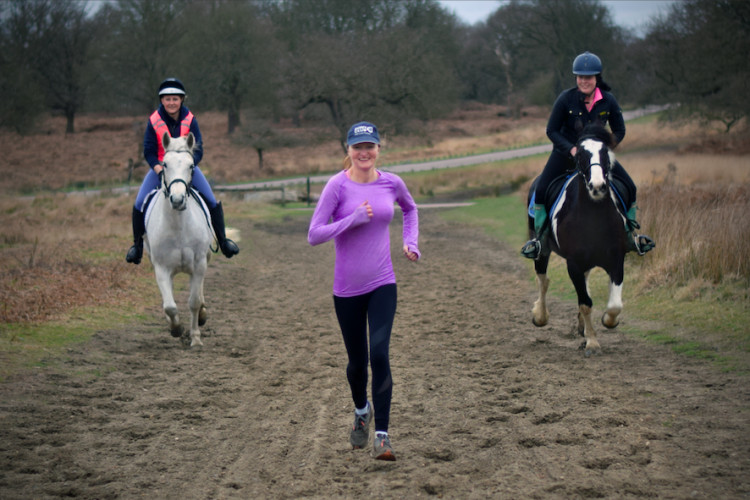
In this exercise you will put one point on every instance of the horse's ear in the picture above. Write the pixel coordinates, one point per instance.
(165, 140)
(190, 140)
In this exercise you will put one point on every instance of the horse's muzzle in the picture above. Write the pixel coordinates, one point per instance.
(597, 191)
(178, 202)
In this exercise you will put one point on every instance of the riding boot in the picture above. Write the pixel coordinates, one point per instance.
(228, 247)
(639, 243)
(135, 254)
(533, 248)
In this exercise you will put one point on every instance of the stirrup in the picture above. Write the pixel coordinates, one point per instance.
(532, 249)
(643, 243)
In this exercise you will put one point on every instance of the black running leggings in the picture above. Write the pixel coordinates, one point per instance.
(377, 308)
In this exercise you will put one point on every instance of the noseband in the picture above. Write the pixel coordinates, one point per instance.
(587, 168)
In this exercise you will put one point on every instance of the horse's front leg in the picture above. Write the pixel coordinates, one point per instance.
(585, 325)
(203, 313)
(164, 279)
(614, 304)
(540, 314)
(196, 305)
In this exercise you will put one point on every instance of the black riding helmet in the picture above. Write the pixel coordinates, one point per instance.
(171, 86)
(587, 64)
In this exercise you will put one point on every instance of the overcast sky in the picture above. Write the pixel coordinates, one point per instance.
(631, 14)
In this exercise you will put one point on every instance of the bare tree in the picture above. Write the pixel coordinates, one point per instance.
(238, 42)
(380, 60)
(19, 44)
(64, 59)
(45, 51)
(138, 46)
(697, 57)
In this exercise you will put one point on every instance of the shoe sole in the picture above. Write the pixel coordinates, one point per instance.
(386, 455)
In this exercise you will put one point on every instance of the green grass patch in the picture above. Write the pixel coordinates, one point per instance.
(501, 217)
(26, 346)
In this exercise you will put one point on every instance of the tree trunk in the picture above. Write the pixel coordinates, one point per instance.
(70, 125)
(233, 118)
(260, 158)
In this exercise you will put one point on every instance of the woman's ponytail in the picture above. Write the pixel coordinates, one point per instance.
(602, 84)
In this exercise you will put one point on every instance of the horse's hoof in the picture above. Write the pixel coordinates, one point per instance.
(591, 348)
(196, 343)
(202, 316)
(177, 331)
(617, 322)
(538, 324)
(591, 351)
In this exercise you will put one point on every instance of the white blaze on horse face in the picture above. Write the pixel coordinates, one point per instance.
(596, 183)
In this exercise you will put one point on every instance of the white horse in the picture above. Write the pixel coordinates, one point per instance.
(178, 235)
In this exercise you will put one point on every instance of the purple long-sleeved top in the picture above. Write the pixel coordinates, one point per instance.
(363, 248)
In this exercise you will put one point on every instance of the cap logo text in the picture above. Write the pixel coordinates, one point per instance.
(363, 129)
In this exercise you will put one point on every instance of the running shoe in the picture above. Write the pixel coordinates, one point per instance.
(361, 429)
(383, 449)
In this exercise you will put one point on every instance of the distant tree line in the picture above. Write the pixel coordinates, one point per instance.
(389, 61)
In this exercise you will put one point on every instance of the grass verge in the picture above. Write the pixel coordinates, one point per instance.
(25, 346)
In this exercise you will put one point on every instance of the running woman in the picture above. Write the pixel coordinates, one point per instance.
(355, 210)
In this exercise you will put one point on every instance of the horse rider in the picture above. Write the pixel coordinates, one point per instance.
(588, 102)
(173, 117)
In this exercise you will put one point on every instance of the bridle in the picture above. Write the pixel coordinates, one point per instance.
(167, 188)
(585, 169)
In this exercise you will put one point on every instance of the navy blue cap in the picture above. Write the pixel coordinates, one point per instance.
(362, 132)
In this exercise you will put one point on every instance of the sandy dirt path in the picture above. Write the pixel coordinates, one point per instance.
(485, 405)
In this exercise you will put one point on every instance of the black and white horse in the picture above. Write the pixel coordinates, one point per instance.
(587, 230)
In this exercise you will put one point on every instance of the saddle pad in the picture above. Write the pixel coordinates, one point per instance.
(554, 193)
(150, 197)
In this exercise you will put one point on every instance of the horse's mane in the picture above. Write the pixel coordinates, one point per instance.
(597, 132)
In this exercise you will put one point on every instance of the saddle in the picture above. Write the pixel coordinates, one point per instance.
(555, 190)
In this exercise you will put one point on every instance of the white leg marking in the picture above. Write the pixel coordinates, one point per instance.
(614, 306)
(539, 312)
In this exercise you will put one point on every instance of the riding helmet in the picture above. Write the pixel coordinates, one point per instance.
(171, 86)
(587, 64)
